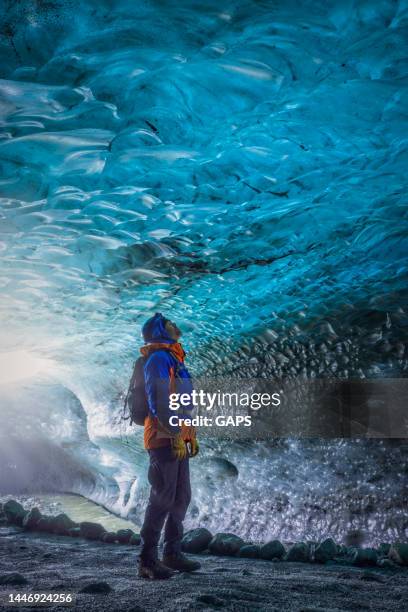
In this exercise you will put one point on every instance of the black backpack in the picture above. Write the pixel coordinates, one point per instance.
(136, 405)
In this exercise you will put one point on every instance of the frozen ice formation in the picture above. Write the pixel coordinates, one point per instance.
(240, 166)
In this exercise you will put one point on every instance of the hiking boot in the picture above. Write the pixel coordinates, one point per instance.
(154, 570)
(181, 563)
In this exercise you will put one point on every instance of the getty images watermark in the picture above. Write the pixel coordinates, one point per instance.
(205, 401)
(269, 408)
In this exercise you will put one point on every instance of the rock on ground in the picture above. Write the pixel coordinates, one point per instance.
(110, 537)
(250, 551)
(399, 553)
(365, 556)
(196, 540)
(32, 518)
(12, 578)
(326, 551)
(124, 535)
(61, 524)
(225, 544)
(272, 550)
(14, 512)
(92, 531)
(298, 552)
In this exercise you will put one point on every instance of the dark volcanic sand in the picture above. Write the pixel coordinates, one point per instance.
(61, 564)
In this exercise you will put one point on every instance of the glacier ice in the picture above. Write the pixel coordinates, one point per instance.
(241, 166)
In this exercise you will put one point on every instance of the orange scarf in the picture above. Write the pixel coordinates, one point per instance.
(176, 349)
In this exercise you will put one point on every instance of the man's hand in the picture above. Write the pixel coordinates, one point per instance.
(195, 447)
(179, 448)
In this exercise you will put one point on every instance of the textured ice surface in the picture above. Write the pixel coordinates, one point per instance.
(238, 165)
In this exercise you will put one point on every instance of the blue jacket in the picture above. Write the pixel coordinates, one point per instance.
(164, 373)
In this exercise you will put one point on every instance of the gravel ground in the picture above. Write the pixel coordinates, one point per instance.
(59, 564)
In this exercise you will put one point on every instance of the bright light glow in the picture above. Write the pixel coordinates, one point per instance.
(18, 365)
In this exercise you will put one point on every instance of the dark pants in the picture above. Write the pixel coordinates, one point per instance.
(170, 495)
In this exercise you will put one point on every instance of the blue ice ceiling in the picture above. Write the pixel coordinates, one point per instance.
(239, 165)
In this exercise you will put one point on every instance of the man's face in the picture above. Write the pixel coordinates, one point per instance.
(172, 330)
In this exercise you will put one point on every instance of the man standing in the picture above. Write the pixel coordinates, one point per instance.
(169, 448)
